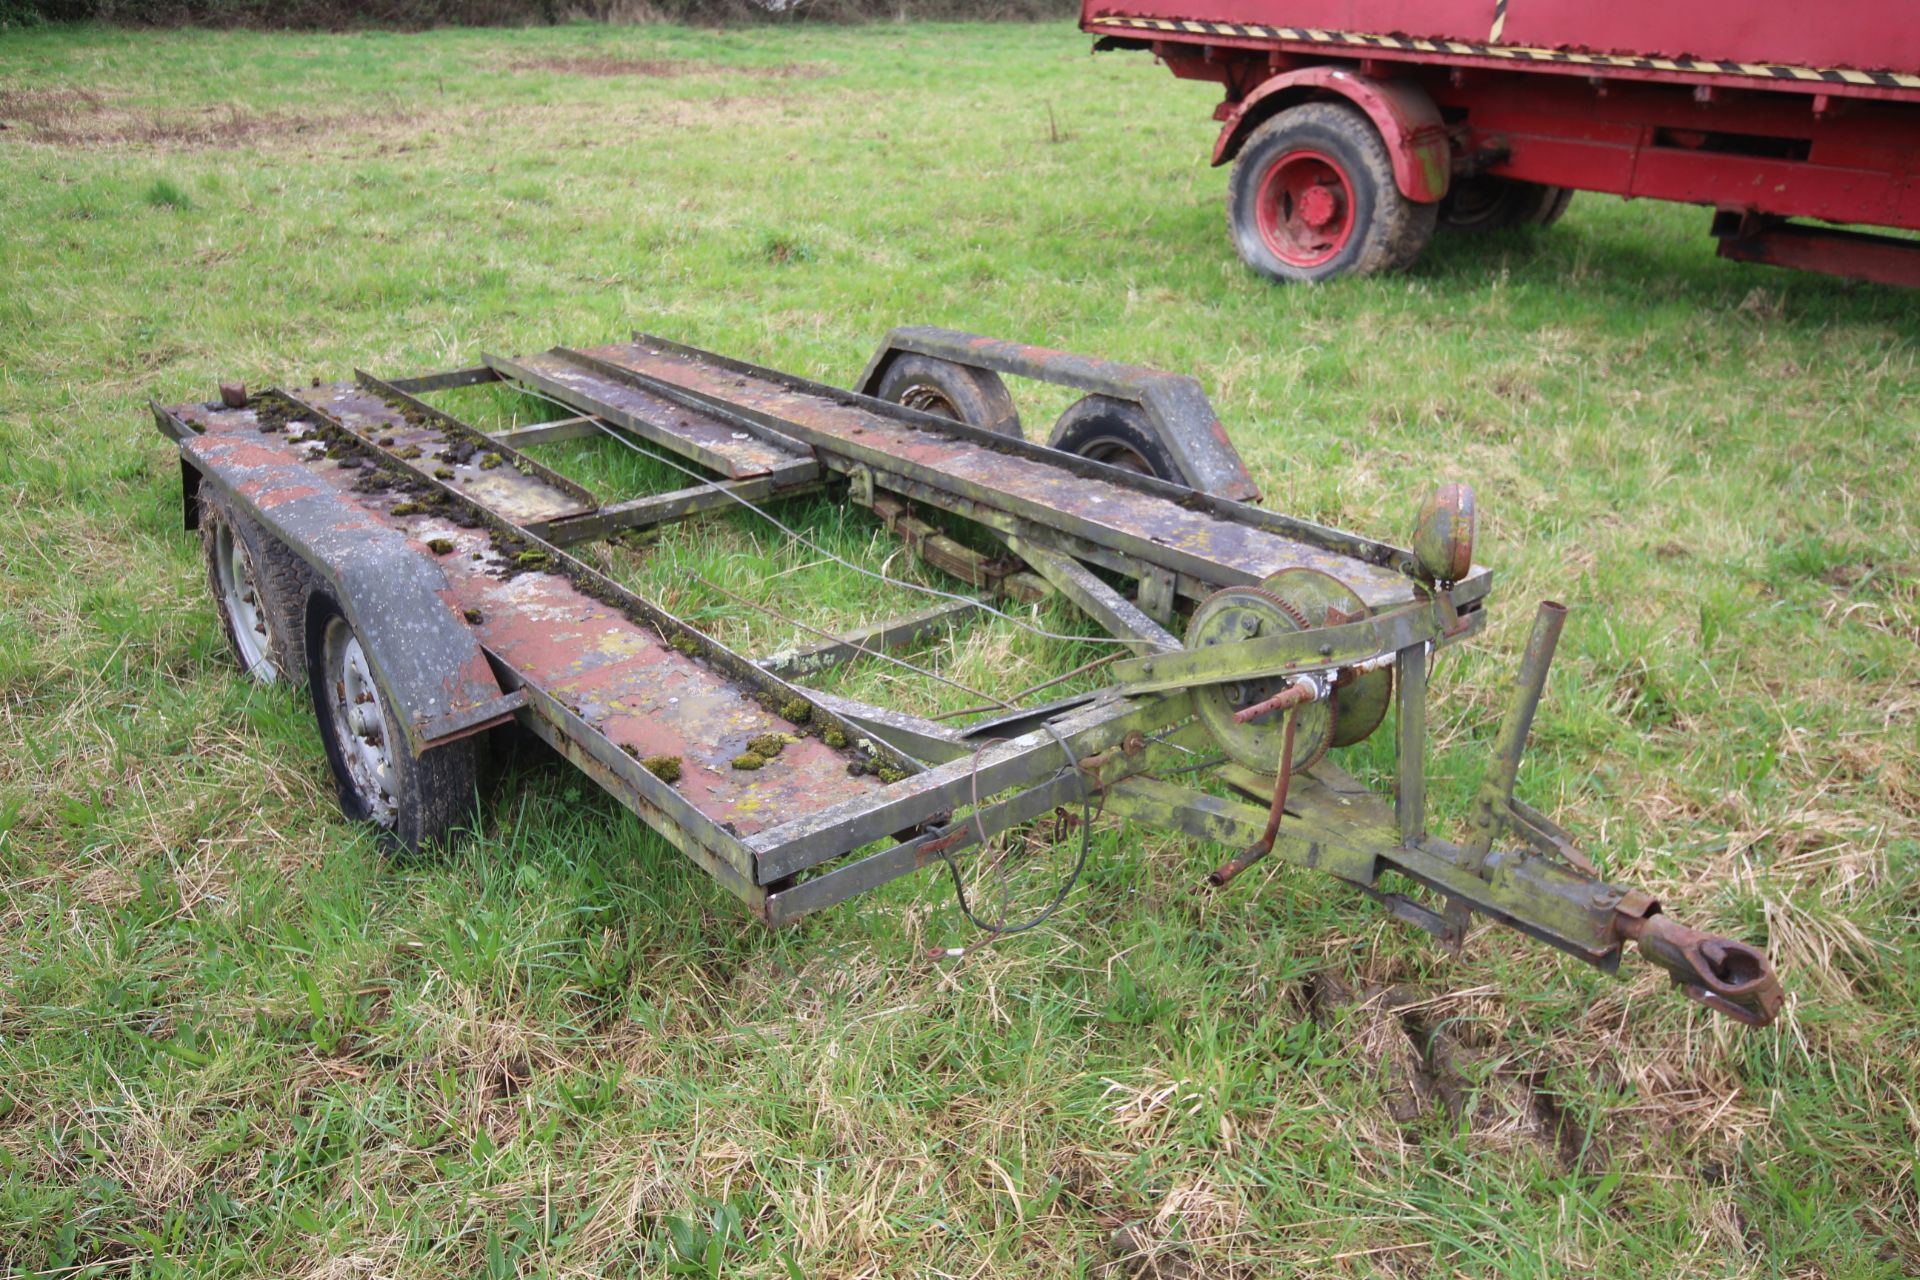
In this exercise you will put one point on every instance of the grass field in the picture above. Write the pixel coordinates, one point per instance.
(236, 1039)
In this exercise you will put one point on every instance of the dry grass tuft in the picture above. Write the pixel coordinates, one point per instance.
(84, 119)
(605, 66)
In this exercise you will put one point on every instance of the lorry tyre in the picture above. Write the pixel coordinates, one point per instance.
(976, 397)
(1116, 432)
(1312, 197)
(414, 803)
(1494, 204)
(1552, 206)
(260, 590)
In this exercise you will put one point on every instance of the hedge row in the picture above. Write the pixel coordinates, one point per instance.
(431, 13)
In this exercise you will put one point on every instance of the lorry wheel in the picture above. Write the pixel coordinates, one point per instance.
(1116, 432)
(976, 397)
(413, 803)
(1552, 206)
(1494, 204)
(1312, 197)
(260, 590)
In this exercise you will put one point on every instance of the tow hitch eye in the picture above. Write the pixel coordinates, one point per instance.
(1726, 976)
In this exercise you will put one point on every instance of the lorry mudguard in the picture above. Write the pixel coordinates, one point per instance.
(1406, 117)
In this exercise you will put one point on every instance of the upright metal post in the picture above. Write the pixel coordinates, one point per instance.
(1410, 748)
(1495, 801)
(1518, 722)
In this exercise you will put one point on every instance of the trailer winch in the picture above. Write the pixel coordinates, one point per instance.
(414, 571)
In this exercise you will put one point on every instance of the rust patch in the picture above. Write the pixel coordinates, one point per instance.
(985, 475)
(642, 693)
(273, 497)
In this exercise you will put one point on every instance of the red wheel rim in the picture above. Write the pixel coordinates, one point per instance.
(1304, 208)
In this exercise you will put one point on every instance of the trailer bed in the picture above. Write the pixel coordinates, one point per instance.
(621, 678)
(1210, 548)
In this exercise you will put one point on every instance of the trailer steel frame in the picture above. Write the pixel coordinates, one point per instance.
(447, 551)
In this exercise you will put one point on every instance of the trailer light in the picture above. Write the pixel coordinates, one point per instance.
(1443, 534)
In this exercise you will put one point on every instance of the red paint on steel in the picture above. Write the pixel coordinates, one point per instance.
(620, 676)
(1304, 208)
(1857, 256)
(1865, 34)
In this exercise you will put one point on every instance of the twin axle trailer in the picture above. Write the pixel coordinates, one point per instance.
(415, 573)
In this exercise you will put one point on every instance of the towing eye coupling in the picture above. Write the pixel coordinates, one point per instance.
(1726, 976)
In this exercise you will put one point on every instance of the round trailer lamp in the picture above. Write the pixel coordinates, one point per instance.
(1443, 534)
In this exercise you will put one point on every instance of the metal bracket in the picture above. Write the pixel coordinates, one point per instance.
(860, 486)
(1159, 591)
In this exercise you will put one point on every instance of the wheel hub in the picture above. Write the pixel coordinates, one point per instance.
(240, 594)
(1318, 207)
(929, 400)
(1116, 453)
(1304, 209)
(360, 726)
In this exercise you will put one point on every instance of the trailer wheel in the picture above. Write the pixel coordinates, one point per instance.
(414, 803)
(260, 590)
(1116, 432)
(1494, 204)
(1312, 197)
(976, 397)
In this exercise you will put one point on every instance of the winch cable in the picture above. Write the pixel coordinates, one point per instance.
(1030, 690)
(858, 646)
(1087, 814)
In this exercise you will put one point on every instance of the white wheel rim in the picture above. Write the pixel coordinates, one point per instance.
(240, 593)
(360, 725)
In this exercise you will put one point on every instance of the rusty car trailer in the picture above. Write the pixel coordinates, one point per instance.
(414, 571)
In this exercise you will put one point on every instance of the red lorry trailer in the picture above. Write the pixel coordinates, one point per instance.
(1355, 127)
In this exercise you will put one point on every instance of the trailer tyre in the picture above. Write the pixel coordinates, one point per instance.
(1312, 197)
(1116, 432)
(976, 397)
(260, 590)
(1495, 204)
(414, 803)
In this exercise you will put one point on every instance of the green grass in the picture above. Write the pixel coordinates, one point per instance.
(235, 1039)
